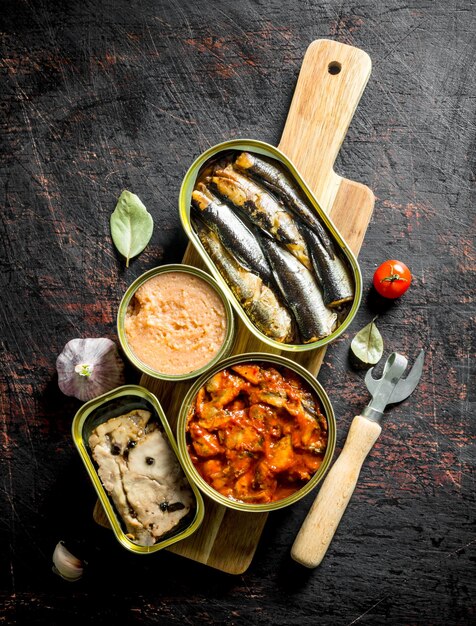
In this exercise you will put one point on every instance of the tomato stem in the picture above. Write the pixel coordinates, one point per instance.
(393, 278)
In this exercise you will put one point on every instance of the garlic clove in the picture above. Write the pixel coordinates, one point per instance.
(66, 564)
(89, 367)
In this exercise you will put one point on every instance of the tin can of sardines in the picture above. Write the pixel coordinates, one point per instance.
(130, 454)
(257, 432)
(278, 257)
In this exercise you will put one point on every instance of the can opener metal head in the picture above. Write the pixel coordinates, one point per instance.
(322, 521)
(391, 387)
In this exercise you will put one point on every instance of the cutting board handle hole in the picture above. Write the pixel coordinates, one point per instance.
(334, 67)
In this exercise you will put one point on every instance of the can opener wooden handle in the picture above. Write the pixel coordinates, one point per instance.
(320, 525)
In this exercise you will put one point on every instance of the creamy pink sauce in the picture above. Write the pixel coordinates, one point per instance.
(175, 323)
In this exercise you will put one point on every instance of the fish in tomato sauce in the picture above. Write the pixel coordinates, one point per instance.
(256, 433)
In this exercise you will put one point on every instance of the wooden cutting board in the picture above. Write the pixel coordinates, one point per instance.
(332, 79)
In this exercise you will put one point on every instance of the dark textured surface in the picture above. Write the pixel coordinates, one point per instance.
(97, 97)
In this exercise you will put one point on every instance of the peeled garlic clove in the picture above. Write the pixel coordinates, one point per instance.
(89, 367)
(66, 564)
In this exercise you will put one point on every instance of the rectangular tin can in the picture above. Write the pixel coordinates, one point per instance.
(267, 150)
(112, 404)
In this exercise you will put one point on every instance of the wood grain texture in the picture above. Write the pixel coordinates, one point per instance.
(320, 524)
(316, 126)
(321, 110)
(102, 96)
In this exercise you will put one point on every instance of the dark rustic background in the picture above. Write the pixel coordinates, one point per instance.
(101, 96)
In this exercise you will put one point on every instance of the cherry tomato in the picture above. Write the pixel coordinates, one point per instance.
(392, 279)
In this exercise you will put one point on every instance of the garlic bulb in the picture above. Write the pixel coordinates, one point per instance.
(89, 367)
(66, 564)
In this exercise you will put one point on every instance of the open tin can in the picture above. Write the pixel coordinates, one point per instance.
(229, 335)
(113, 404)
(272, 153)
(266, 359)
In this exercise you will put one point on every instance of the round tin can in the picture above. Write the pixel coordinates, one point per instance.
(223, 351)
(112, 404)
(273, 359)
(267, 150)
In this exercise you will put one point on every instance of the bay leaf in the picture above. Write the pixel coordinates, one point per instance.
(367, 345)
(131, 225)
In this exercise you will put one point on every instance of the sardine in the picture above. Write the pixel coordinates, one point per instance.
(259, 302)
(280, 184)
(301, 292)
(262, 209)
(333, 275)
(231, 231)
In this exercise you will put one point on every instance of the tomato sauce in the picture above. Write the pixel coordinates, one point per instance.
(256, 433)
